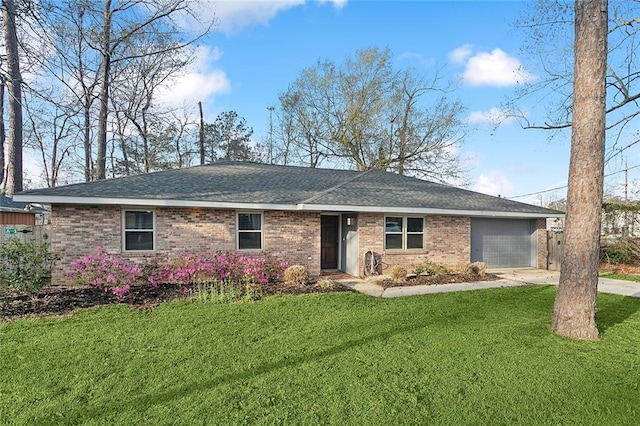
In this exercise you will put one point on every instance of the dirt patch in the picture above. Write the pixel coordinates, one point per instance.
(450, 278)
(620, 269)
(56, 300)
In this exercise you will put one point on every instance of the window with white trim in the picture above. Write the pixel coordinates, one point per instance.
(249, 231)
(403, 233)
(138, 229)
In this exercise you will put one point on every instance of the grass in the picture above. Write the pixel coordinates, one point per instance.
(483, 357)
(619, 276)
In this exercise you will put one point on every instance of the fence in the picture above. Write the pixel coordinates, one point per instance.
(555, 247)
(25, 233)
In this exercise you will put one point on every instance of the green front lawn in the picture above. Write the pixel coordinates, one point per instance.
(619, 276)
(483, 357)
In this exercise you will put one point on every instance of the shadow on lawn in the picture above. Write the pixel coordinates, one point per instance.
(182, 391)
(612, 312)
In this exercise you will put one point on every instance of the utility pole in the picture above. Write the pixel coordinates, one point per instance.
(270, 151)
(201, 134)
(626, 181)
(625, 230)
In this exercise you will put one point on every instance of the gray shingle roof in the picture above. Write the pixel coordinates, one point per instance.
(8, 205)
(238, 182)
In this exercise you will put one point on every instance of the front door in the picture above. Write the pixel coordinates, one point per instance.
(330, 242)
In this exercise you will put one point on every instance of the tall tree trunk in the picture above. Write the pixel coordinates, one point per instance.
(2, 131)
(575, 305)
(88, 160)
(14, 86)
(105, 71)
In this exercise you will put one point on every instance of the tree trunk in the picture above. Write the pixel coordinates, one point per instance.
(2, 134)
(88, 160)
(105, 46)
(14, 86)
(575, 305)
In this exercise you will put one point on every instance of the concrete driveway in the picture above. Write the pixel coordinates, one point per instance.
(508, 278)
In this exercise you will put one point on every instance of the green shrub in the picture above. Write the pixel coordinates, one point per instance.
(430, 268)
(296, 275)
(622, 251)
(25, 266)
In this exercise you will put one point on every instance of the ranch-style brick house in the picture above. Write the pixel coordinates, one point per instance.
(324, 219)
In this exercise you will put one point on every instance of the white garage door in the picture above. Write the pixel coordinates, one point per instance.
(503, 243)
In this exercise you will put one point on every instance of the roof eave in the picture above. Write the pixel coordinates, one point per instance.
(146, 202)
(151, 202)
(428, 211)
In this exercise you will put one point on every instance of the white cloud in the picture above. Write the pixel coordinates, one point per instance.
(460, 54)
(32, 170)
(493, 117)
(425, 62)
(232, 16)
(200, 82)
(494, 69)
(493, 183)
(472, 160)
(338, 4)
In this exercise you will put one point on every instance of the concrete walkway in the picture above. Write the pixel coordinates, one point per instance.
(508, 278)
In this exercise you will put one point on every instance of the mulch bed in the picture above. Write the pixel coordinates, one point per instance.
(450, 278)
(57, 300)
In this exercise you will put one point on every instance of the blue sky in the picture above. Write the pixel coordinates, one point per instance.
(259, 47)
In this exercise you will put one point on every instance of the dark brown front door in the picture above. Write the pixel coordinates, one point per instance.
(329, 237)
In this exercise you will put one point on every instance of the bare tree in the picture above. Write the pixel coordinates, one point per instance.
(89, 49)
(549, 29)
(298, 132)
(52, 132)
(424, 140)
(369, 115)
(574, 308)
(135, 101)
(115, 36)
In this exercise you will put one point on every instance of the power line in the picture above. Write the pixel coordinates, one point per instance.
(565, 186)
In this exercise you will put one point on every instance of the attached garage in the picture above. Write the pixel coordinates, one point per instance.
(503, 243)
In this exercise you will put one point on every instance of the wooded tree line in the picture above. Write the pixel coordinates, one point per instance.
(367, 114)
(90, 101)
(91, 106)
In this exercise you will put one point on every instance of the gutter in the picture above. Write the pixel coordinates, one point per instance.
(302, 206)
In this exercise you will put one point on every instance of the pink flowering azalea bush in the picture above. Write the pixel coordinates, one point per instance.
(106, 272)
(113, 274)
(185, 269)
(191, 268)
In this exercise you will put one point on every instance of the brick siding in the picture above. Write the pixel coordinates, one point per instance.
(291, 236)
(447, 240)
(294, 237)
(79, 230)
(541, 239)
